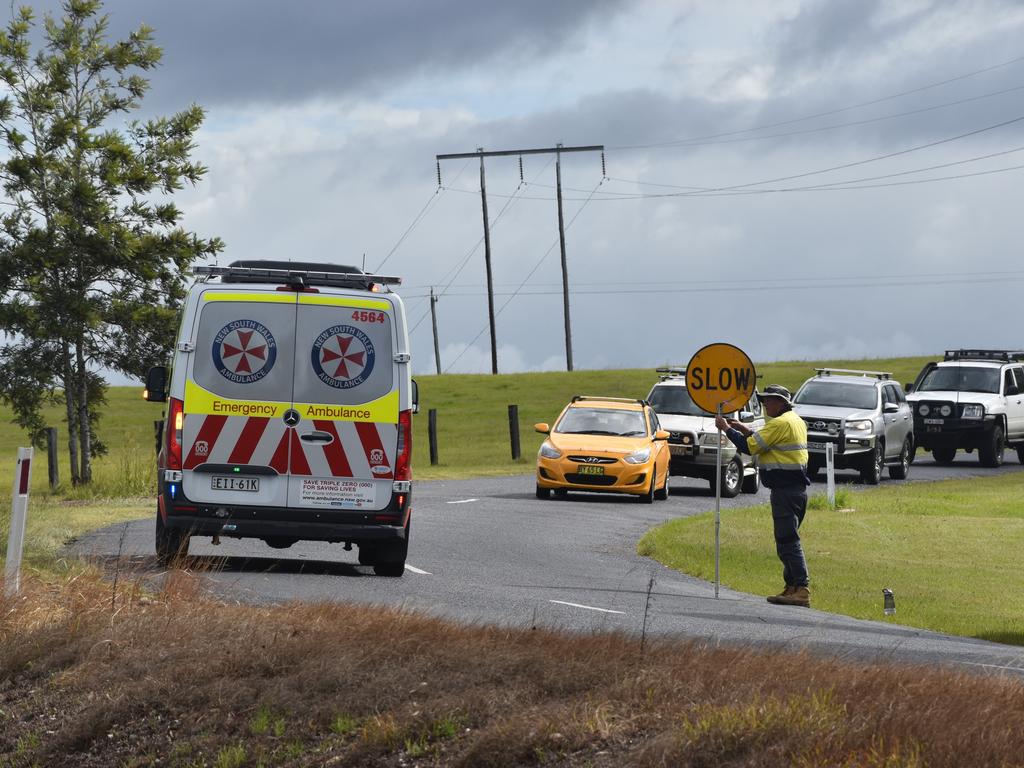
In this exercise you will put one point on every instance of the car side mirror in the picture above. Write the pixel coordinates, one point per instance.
(662, 434)
(543, 428)
(415, 397)
(746, 415)
(890, 408)
(908, 388)
(156, 385)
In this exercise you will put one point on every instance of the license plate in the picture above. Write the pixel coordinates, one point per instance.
(816, 446)
(934, 421)
(587, 469)
(934, 428)
(228, 483)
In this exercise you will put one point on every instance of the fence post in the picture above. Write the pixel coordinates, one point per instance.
(52, 469)
(432, 435)
(513, 430)
(19, 508)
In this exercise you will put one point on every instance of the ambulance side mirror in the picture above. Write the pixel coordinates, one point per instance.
(156, 385)
(415, 397)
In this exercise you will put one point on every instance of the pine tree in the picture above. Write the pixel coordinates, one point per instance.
(92, 256)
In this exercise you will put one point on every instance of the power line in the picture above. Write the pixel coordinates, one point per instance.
(827, 113)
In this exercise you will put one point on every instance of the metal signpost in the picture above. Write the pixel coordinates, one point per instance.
(16, 535)
(830, 474)
(720, 378)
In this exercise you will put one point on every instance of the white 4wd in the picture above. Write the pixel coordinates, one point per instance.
(694, 442)
(972, 399)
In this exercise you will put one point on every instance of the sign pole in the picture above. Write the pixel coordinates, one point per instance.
(16, 535)
(830, 474)
(718, 502)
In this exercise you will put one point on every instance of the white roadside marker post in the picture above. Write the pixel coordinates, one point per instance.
(830, 474)
(19, 508)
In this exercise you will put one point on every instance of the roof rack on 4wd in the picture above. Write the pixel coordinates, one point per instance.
(298, 276)
(578, 398)
(852, 372)
(1001, 355)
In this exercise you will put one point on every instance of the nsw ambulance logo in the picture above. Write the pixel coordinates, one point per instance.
(244, 351)
(342, 357)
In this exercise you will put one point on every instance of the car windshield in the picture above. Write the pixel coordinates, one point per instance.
(674, 400)
(961, 378)
(602, 421)
(838, 394)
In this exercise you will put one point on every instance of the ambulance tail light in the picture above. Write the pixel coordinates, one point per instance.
(403, 464)
(175, 423)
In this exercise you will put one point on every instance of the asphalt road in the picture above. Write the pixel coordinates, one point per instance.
(487, 551)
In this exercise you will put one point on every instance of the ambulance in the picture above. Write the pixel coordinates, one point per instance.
(289, 412)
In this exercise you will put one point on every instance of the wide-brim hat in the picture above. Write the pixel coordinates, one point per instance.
(776, 390)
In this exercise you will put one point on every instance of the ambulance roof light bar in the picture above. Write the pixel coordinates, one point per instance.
(310, 277)
(852, 372)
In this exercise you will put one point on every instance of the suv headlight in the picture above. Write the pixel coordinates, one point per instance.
(712, 438)
(863, 425)
(548, 451)
(638, 457)
(973, 411)
(925, 409)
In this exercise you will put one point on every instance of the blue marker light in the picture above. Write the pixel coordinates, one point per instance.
(174, 490)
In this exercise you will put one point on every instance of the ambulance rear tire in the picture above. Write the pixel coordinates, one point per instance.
(171, 543)
(391, 559)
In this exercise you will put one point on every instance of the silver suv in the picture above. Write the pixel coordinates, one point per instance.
(693, 438)
(864, 414)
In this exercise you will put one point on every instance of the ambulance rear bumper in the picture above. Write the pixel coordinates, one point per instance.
(237, 527)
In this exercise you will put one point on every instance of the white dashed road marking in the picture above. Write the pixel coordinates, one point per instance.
(417, 570)
(461, 501)
(588, 607)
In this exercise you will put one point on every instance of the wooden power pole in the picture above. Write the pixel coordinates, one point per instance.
(433, 322)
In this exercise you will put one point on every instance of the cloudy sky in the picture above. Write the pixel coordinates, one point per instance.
(801, 178)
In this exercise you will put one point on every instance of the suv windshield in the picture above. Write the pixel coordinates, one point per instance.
(838, 394)
(674, 400)
(956, 378)
(602, 421)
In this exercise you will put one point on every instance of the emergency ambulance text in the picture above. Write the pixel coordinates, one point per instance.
(330, 412)
(244, 409)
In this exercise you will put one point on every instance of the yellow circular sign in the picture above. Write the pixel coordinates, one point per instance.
(720, 375)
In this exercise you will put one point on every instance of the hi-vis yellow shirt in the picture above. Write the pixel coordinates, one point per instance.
(781, 445)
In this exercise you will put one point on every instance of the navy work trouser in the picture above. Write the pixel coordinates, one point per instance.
(789, 505)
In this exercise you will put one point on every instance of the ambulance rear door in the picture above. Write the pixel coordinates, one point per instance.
(347, 398)
(238, 390)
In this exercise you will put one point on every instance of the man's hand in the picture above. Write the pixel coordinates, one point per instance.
(722, 423)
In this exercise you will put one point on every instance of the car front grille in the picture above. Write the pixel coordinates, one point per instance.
(823, 426)
(572, 477)
(933, 409)
(682, 438)
(593, 459)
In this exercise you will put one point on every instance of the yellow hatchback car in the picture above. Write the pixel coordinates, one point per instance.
(604, 445)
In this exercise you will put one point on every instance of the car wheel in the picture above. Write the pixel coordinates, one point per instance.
(732, 478)
(871, 472)
(648, 498)
(900, 471)
(171, 543)
(560, 493)
(662, 494)
(990, 453)
(752, 483)
(543, 493)
(913, 451)
(944, 454)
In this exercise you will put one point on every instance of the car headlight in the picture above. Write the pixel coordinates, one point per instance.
(974, 411)
(638, 457)
(924, 410)
(864, 425)
(945, 410)
(548, 451)
(712, 438)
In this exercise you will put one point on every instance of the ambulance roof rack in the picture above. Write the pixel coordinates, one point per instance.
(1001, 355)
(669, 373)
(852, 372)
(297, 273)
(578, 398)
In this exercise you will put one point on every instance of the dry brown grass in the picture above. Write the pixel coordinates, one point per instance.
(177, 679)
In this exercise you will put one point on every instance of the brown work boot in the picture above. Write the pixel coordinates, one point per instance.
(784, 593)
(800, 596)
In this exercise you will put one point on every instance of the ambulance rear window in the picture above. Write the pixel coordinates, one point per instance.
(245, 349)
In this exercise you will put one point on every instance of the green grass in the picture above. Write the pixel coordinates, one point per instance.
(949, 550)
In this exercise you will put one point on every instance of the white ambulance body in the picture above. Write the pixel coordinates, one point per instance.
(290, 412)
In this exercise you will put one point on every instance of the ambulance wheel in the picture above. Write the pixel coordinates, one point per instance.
(171, 543)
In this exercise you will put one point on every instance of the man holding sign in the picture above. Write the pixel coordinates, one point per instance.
(781, 446)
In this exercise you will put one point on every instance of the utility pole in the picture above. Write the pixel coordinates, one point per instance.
(433, 321)
(557, 151)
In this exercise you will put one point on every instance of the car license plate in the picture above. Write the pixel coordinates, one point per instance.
(934, 421)
(228, 483)
(588, 469)
(816, 446)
